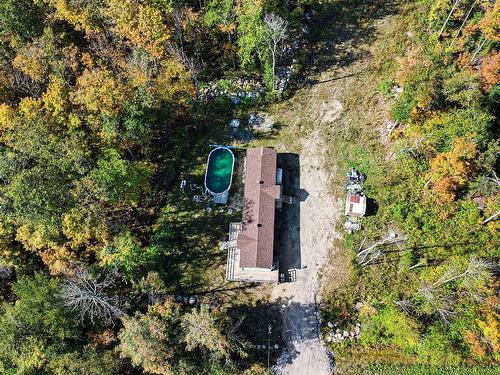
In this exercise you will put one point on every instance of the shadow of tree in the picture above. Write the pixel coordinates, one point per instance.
(338, 30)
(258, 319)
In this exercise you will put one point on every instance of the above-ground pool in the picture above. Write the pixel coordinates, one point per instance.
(219, 172)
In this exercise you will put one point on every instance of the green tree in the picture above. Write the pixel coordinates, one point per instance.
(116, 180)
(203, 330)
(150, 340)
(251, 37)
(463, 88)
(23, 18)
(36, 328)
(39, 197)
(126, 254)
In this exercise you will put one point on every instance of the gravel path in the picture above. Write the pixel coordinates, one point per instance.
(306, 353)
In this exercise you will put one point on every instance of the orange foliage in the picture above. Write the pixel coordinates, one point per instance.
(104, 338)
(450, 170)
(475, 346)
(484, 342)
(58, 259)
(490, 70)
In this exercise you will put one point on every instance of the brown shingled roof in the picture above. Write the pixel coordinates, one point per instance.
(257, 236)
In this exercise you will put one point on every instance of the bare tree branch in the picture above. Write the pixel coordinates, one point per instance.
(491, 217)
(87, 295)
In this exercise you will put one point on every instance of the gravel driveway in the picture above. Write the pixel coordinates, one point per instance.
(306, 244)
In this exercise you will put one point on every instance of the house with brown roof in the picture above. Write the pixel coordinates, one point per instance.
(251, 242)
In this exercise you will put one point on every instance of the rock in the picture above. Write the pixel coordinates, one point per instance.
(234, 123)
(329, 324)
(261, 122)
(345, 334)
(192, 300)
(358, 305)
(396, 90)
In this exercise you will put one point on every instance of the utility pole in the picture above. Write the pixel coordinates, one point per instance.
(268, 345)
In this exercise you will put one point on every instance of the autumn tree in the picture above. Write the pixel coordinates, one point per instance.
(141, 24)
(490, 70)
(449, 170)
(99, 91)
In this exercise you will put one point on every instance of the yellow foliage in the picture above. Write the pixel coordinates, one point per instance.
(78, 16)
(143, 25)
(55, 99)
(100, 92)
(485, 341)
(74, 121)
(450, 170)
(490, 329)
(81, 229)
(35, 238)
(30, 107)
(31, 60)
(173, 81)
(7, 116)
(490, 24)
